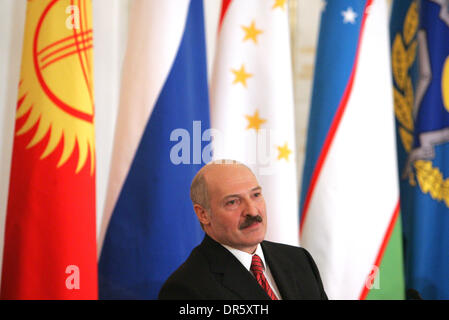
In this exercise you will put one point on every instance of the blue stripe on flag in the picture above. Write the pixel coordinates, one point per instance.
(153, 227)
(337, 46)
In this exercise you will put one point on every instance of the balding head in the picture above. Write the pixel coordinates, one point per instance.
(199, 192)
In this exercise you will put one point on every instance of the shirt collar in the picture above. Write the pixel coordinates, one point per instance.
(246, 258)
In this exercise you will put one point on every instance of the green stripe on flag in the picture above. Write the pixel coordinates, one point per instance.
(389, 283)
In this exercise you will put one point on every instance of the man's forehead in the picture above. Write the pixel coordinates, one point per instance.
(230, 178)
(233, 172)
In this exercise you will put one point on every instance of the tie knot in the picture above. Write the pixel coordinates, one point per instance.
(256, 264)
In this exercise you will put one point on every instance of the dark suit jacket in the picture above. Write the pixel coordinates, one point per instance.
(212, 272)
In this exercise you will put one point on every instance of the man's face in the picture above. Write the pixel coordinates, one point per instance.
(237, 215)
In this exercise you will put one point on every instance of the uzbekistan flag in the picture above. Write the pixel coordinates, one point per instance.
(50, 241)
(420, 56)
(252, 108)
(150, 227)
(350, 194)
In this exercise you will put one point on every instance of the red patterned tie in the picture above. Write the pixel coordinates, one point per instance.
(257, 269)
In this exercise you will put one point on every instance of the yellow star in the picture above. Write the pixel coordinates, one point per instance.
(241, 76)
(251, 32)
(279, 4)
(284, 152)
(254, 122)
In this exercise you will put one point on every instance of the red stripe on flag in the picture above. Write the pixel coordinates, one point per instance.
(334, 126)
(383, 247)
(224, 8)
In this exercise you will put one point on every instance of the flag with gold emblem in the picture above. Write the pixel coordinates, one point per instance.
(50, 240)
(252, 109)
(420, 60)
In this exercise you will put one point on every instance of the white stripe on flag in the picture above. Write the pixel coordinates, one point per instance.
(148, 61)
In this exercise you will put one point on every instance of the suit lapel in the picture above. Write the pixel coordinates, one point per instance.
(283, 273)
(235, 277)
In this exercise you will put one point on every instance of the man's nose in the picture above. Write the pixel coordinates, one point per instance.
(250, 208)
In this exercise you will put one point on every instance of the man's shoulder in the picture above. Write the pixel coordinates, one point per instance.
(284, 252)
(194, 265)
(282, 247)
(184, 281)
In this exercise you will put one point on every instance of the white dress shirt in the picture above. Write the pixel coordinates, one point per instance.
(246, 259)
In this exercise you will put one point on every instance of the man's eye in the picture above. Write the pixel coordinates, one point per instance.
(257, 194)
(232, 203)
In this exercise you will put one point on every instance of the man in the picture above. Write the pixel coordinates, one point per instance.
(234, 261)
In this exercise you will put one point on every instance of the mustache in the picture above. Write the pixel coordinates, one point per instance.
(249, 220)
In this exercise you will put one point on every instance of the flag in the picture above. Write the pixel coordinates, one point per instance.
(160, 144)
(50, 241)
(350, 194)
(252, 109)
(420, 55)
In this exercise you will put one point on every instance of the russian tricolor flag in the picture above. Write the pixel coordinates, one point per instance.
(149, 225)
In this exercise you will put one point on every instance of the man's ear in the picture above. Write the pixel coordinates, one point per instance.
(202, 214)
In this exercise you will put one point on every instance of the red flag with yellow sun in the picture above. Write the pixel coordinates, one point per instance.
(50, 237)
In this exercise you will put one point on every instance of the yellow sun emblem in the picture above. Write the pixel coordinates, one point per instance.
(56, 85)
